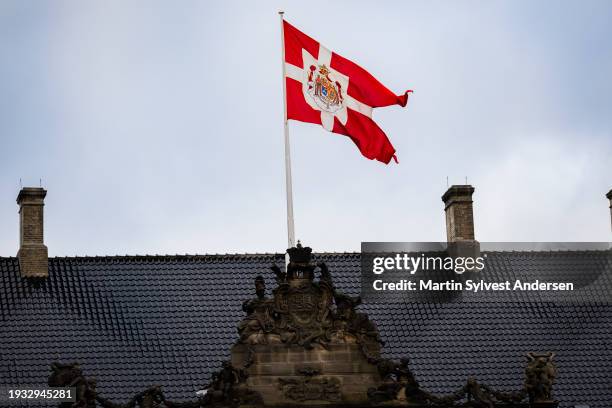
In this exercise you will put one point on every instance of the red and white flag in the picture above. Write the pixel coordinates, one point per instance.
(329, 90)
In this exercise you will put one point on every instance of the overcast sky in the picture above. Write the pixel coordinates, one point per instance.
(157, 126)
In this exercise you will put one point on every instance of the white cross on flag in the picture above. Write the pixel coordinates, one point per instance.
(329, 90)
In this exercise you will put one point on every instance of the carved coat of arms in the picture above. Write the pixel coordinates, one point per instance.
(304, 305)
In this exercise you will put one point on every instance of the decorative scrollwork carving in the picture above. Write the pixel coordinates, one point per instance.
(310, 387)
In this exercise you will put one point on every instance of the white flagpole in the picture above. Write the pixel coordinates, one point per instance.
(288, 185)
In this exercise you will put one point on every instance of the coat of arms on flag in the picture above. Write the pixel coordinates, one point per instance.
(326, 92)
(324, 88)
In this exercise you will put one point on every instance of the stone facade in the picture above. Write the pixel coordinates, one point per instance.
(285, 375)
(33, 254)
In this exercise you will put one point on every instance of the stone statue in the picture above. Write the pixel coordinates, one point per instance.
(224, 380)
(346, 305)
(71, 375)
(253, 329)
(398, 382)
(356, 324)
(540, 375)
(390, 387)
(228, 387)
(477, 396)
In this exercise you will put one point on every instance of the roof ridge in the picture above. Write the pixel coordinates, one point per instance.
(160, 256)
(547, 251)
(278, 254)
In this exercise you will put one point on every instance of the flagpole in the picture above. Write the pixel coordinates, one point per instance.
(288, 184)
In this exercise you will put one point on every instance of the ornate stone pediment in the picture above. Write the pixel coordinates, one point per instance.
(305, 310)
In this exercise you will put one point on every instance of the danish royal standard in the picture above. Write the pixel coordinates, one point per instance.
(324, 88)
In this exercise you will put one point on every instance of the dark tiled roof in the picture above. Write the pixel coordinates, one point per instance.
(135, 321)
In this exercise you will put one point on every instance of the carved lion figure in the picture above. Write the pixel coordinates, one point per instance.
(540, 375)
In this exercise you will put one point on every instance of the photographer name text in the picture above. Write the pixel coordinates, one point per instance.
(470, 285)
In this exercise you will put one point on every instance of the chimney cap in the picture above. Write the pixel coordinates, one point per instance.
(458, 190)
(609, 195)
(31, 193)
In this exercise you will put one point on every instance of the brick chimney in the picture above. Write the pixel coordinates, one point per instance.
(460, 221)
(609, 196)
(33, 254)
